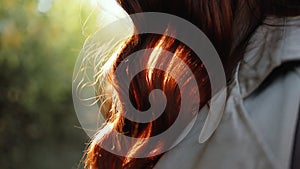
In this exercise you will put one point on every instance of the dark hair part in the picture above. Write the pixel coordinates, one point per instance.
(229, 24)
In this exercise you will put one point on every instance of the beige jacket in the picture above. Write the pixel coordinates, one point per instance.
(258, 125)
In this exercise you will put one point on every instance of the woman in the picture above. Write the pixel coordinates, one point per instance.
(259, 45)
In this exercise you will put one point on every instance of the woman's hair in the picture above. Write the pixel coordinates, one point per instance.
(228, 24)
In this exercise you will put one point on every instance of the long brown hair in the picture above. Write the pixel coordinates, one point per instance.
(228, 24)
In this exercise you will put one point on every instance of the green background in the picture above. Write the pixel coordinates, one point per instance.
(38, 126)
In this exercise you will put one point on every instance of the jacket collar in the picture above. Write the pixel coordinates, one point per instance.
(275, 42)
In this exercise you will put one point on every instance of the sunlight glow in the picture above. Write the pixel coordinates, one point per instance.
(44, 5)
(109, 10)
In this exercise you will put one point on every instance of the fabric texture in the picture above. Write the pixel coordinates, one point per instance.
(295, 163)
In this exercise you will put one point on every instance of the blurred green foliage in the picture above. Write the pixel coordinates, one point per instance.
(37, 55)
